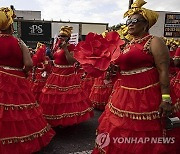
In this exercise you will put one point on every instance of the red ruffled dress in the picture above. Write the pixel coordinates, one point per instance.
(130, 122)
(63, 101)
(23, 130)
(86, 81)
(41, 73)
(100, 92)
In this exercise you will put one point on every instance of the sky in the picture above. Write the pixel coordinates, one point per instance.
(95, 11)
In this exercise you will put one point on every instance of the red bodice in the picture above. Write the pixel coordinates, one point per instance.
(136, 55)
(59, 55)
(10, 52)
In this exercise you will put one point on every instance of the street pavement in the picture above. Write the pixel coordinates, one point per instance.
(76, 139)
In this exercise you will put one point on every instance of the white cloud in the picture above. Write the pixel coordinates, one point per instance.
(108, 11)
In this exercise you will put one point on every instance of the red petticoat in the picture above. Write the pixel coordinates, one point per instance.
(22, 126)
(63, 100)
(132, 113)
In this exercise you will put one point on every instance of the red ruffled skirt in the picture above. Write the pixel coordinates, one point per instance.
(131, 114)
(41, 76)
(63, 100)
(23, 130)
(87, 83)
(100, 93)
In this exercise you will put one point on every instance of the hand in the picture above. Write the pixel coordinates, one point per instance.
(165, 109)
(63, 44)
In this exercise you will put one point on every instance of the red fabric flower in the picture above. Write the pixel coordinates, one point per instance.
(114, 39)
(96, 53)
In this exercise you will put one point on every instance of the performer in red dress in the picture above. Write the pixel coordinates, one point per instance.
(63, 100)
(31, 73)
(172, 44)
(42, 69)
(101, 91)
(86, 81)
(23, 130)
(132, 119)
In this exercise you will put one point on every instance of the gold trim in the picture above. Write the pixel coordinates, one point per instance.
(22, 139)
(134, 115)
(39, 81)
(87, 79)
(136, 71)
(5, 35)
(147, 45)
(64, 75)
(176, 58)
(18, 107)
(149, 86)
(134, 41)
(11, 68)
(98, 103)
(63, 66)
(103, 86)
(62, 88)
(12, 74)
(67, 115)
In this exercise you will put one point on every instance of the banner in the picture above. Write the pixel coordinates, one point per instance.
(74, 38)
(35, 31)
(172, 25)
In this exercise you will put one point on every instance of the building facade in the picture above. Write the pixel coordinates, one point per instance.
(168, 25)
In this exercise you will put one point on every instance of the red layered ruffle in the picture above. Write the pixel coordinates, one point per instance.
(63, 100)
(23, 128)
(132, 113)
(100, 93)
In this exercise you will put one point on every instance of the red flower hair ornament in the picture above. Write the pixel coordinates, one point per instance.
(96, 53)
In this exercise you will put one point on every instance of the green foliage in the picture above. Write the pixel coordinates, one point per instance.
(115, 27)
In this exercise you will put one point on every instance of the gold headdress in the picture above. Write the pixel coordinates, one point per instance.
(39, 45)
(6, 17)
(150, 15)
(66, 30)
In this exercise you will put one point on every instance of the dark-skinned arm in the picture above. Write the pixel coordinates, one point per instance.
(160, 53)
(26, 57)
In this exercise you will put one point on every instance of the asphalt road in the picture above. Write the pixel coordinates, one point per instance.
(76, 139)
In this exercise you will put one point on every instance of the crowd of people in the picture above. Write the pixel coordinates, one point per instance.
(41, 89)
